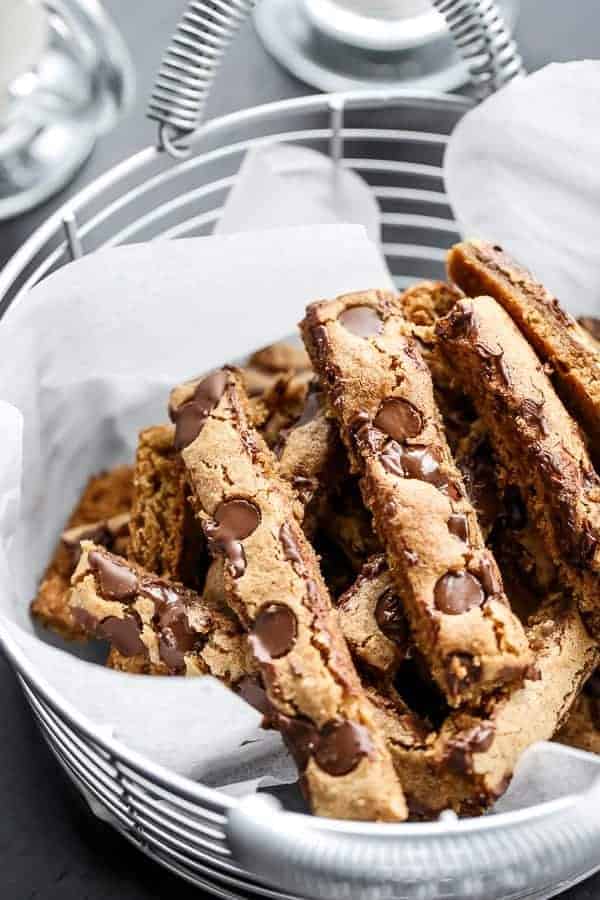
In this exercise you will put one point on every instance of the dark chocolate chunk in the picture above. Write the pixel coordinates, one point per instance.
(250, 689)
(190, 417)
(390, 618)
(274, 632)
(234, 520)
(363, 321)
(458, 526)
(300, 735)
(399, 419)
(341, 747)
(124, 634)
(176, 637)
(116, 581)
(82, 617)
(363, 434)
(489, 577)
(421, 463)
(459, 756)
(457, 593)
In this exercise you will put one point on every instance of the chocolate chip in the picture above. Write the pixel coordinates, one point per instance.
(399, 419)
(85, 619)
(291, 548)
(459, 527)
(341, 746)
(274, 632)
(497, 358)
(234, 520)
(489, 577)
(124, 634)
(421, 463)
(116, 581)
(300, 736)
(390, 618)
(457, 593)
(363, 321)
(363, 434)
(190, 417)
(459, 755)
(176, 637)
(250, 689)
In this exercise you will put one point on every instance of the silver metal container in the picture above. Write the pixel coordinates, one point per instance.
(238, 848)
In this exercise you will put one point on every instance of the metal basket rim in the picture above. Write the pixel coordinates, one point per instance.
(17, 656)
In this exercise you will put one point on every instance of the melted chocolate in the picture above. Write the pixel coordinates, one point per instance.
(489, 577)
(234, 520)
(461, 748)
(399, 419)
(250, 689)
(363, 321)
(390, 618)
(458, 526)
(274, 632)
(421, 463)
(457, 593)
(341, 747)
(300, 736)
(190, 417)
(312, 405)
(116, 581)
(124, 634)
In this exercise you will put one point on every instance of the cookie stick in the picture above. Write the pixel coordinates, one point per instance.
(534, 437)
(272, 580)
(165, 538)
(154, 619)
(380, 391)
(102, 514)
(482, 268)
(469, 763)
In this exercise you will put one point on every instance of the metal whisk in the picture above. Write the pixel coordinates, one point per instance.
(484, 42)
(207, 27)
(189, 66)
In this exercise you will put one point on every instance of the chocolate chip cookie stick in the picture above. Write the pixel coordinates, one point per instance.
(164, 536)
(154, 625)
(582, 728)
(380, 391)
(272, 580)
(470, 762)
(101, 514)
(481, 268)
(534, 437)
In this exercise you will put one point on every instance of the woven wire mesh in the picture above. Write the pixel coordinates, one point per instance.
(396, 143)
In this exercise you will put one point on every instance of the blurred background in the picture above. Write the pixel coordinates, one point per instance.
(74, 82)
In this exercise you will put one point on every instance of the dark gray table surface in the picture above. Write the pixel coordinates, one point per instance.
(50, 846)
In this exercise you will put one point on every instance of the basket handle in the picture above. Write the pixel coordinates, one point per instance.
(556, 844)
(207, 27)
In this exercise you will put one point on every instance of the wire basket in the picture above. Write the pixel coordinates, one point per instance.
(238, 848)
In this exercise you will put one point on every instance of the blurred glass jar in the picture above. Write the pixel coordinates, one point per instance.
(65, 77)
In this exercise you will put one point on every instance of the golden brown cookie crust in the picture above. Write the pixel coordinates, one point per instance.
(537, 441)
(381, 393)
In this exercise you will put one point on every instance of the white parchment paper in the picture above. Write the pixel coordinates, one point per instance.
(522, 170)
(86, 360)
